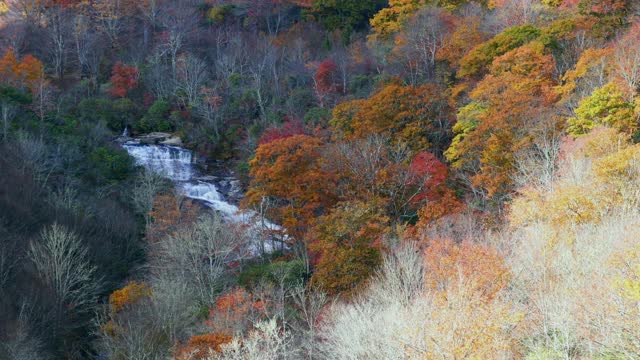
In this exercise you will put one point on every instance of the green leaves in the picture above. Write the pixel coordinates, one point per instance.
(606, 106)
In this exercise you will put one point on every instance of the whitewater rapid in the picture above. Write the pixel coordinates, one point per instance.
(177, 164)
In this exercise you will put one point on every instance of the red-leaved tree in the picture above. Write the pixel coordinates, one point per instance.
(124, 78)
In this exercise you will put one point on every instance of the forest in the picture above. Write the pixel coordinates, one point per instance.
(349, 179)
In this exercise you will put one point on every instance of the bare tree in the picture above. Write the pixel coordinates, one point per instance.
(426, 35)
(261, 70)
(58, 31)
(310, 302)
(8, 109)
(198, 254)
(192, 75)
(179, 19)
(22, 344)
(61, 261)
(267, 341)
(146, 187)
(537, 165)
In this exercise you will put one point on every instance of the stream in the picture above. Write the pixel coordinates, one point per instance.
(177, 164)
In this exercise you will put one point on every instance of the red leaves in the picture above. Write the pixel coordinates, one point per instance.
(288, 129)
(427, 166)
(124, 79)
(325, 77)
(234, 310)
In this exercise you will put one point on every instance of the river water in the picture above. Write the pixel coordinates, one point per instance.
(177, 164)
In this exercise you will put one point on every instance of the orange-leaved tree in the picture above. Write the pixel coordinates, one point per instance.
(290, 184)
(19, 80)
(235, 311)
(509, 105)
(419, 116)
(200, 347)
(132, 293)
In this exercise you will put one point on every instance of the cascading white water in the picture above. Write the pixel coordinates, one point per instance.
(176, 163)
(169, 161)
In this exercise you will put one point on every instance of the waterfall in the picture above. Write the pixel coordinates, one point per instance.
(171, 162)
(176, 164)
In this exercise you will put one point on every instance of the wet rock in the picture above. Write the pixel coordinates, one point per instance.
(153, 138)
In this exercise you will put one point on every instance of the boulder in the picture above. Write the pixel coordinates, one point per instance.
(173, 140)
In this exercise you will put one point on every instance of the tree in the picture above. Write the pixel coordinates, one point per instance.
(199, 347)
(59, 34)
(132, 293)
(198, 255)
(209, 107)
(476, 61)
(124, 78)
(607, 15)
(291, 186)
(192, 75)
(289, 175)
(417, 116)
(348, 241)
(392, 19)
(10, 101)
(428, 32)
(627, 61)
(325, 80)
(480, 267)
(235, 311)
(62, 263)
(437, 198)
(513, 99)
(375, 171)
(347, 15)
(19, 79)
(288, 129)
(449, 323)
(606, 106)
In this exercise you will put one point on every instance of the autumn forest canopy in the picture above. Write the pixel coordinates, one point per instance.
(414, 179)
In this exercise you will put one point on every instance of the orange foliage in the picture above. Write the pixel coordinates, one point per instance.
(128, 295)
(288, 175)
(447, 203)
(466, 35)
(168, 212)
(20, 73)
(517, 96)
(199, 347)
(418, 116)
(234, 311)
(479, 267)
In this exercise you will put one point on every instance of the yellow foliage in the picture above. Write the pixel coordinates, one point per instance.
(619, 166)
(464, 326)
(128, 295)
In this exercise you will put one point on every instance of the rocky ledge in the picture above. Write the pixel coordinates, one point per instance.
(158, 138)
(154, 138)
